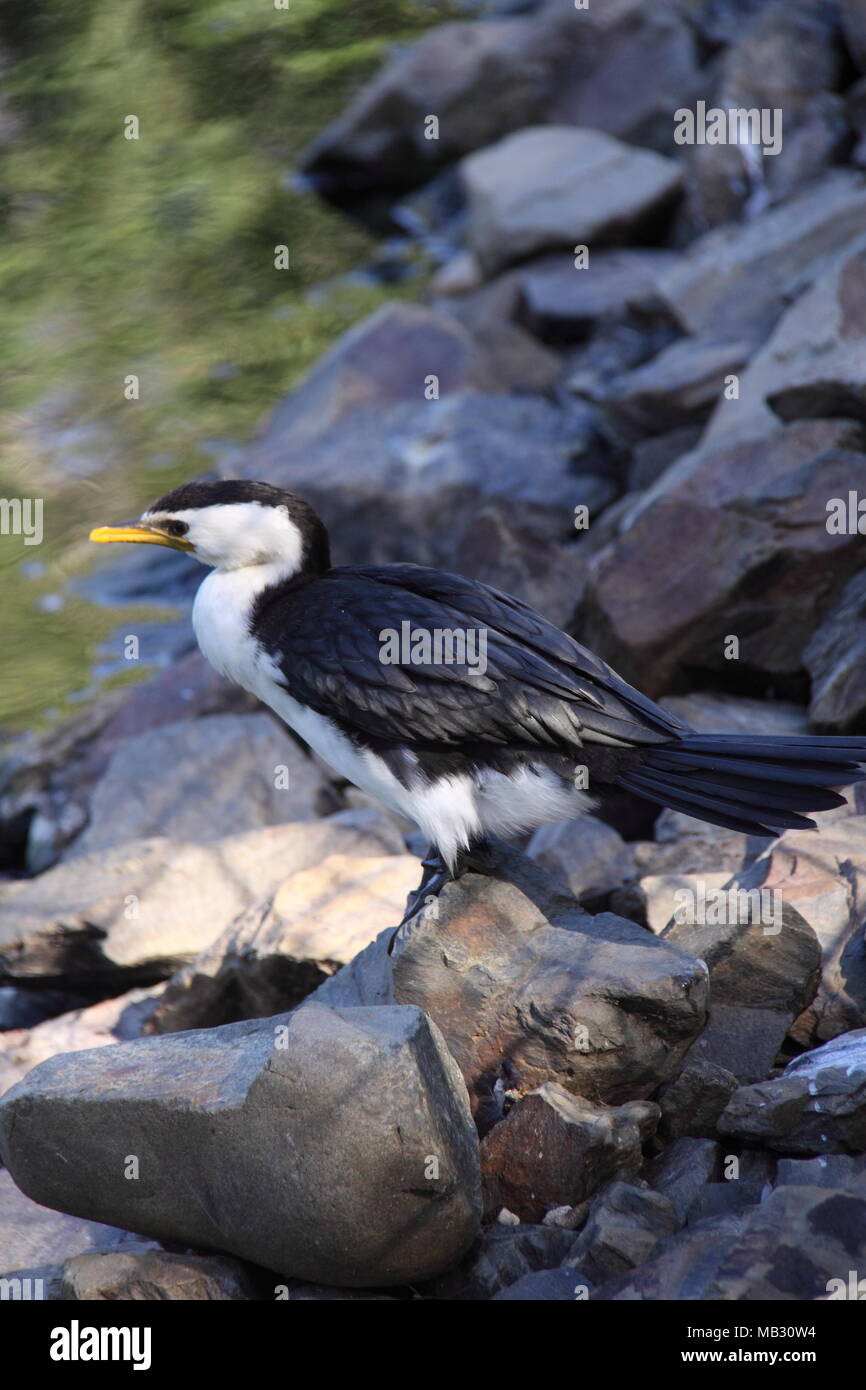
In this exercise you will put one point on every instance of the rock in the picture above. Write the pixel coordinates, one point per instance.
(764, 962)
(814, 364)
(763, 568)
(846, 1171)
(747, 1180)
(682, 1171)
(380, 140)
(125, 916)
(645, 68)
(561, 303)
(110, 1021)
(692, 1103)
(554, 1149)
(650, 458)
(116, 1276)
(835, 658)
(624, 1228)
(680, 386)
(503, 1255)
(47, 780)
(590, 857)
(735, 281)
(553, 186)
(543, 1286)
(712, 713)
(330, 1145)
(786, 58)
(203, 780)
(407, 484)
(383, 360)
(32, 1236)
(280, 949)
(817, 1105)
(527, 988)
(853, 21)
(516, 358)
(822, 873)
(25, 1008)
(800, 1244)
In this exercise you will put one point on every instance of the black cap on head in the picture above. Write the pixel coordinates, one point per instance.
(190, 496)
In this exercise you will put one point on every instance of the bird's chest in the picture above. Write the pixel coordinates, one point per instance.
(220, 619)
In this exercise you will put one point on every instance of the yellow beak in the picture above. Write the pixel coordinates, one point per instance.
(142, 534)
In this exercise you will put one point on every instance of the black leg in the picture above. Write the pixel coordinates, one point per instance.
(436, 874)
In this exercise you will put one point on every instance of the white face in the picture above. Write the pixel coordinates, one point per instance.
(236, 535)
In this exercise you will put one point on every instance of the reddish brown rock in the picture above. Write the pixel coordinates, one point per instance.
(554, 1149)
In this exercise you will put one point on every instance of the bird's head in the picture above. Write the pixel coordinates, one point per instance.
(232, 525)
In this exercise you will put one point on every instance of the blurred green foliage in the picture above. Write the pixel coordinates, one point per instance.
(155, 257)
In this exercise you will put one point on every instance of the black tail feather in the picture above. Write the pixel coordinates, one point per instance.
(755, 784)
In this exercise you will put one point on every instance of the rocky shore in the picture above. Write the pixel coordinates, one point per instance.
(631, 1063)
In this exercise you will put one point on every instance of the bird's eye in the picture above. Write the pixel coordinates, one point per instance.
(175, 528)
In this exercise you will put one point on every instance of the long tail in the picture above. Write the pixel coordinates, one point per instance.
(759, 785)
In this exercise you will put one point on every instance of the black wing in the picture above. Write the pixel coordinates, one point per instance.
(540, 689)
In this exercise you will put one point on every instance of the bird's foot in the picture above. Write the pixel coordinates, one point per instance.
(436, 874)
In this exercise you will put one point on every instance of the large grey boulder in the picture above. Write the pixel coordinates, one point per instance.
(331, 1145)
(836, 661)
(555, 186)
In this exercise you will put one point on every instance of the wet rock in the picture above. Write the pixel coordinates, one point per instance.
(555, 1149)
(503, 1255)
(590, 856)
(154, 1276)
(682, 1171)
(553, 186)
(527, 988)
(817, 1105)
(331, 1145)
(692, 1103)
(279, 950)
(129, 915)
(110, 1021)
(835, 658)
(203, 780)
(624, 1228)
(561, 303)
(735, 281)
(34, 1236)
(764, 962)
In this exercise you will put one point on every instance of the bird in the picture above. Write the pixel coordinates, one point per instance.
(452, 703)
